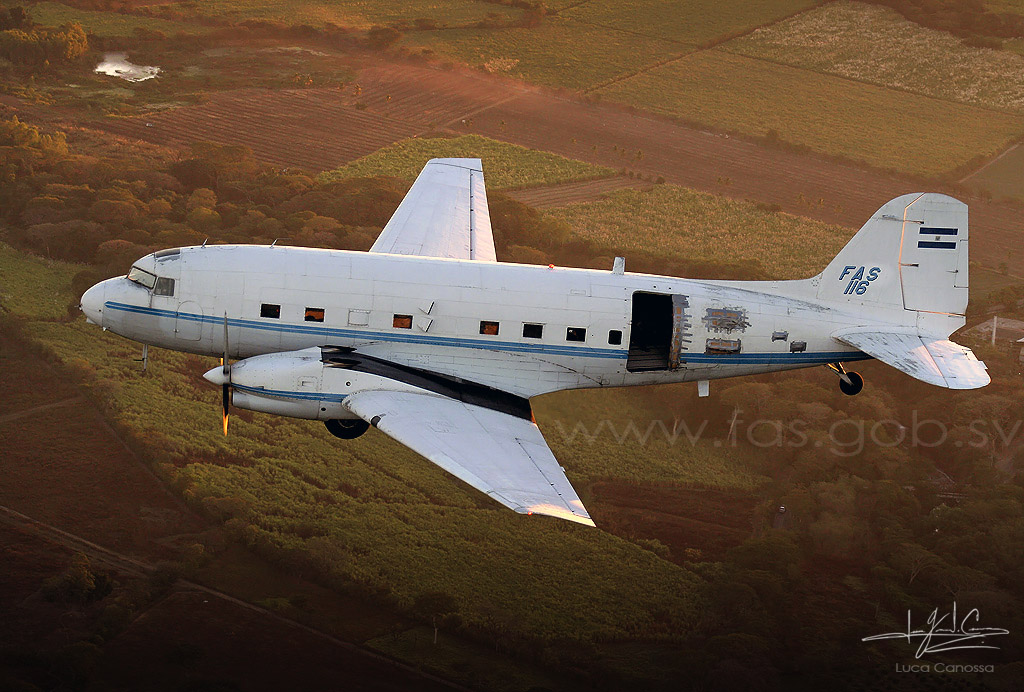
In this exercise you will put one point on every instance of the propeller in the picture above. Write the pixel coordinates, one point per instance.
(226, 386)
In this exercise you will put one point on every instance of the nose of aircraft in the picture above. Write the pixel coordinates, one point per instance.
(92, 303)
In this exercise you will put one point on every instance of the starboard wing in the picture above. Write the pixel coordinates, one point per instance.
(504, 456)
(444, 214)
(931, 359)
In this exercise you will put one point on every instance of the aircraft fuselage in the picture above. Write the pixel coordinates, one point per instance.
(523, 329)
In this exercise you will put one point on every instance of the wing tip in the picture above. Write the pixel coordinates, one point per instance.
(469, 163)
(559, 513)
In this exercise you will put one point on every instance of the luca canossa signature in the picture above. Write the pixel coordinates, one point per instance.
(946, 632)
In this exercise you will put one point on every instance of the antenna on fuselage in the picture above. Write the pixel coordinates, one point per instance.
(277, 239)
(205, 241)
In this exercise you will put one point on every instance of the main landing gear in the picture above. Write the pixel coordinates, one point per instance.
(850, 383)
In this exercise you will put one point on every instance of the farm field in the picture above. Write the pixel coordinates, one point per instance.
(360, 14)
(673, 221)
(538, 55)
(505, 165)
(835, 116)
(320, 129)
(872, 43)
(110, 24)
(1004, 177)
(606, 39)
(571, 193)
(687, 21)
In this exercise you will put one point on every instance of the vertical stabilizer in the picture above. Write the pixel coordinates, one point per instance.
(911, 254)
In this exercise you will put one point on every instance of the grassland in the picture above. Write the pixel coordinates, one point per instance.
(506, 165)
(109, 24)
(686, 21)
(1003, 177)
(558, 53)
(673, 221)
(358, 14)
(34, 287)
(587, 44)
(875, 44)
(835, 116)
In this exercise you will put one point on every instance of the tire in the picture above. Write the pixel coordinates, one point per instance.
(856, 384)
(346, 429)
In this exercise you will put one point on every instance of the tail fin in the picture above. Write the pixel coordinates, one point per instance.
(911, 254)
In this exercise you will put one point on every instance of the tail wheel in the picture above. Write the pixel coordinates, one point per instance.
(854, 386)
(346, 429)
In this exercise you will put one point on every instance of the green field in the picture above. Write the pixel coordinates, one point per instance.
(1004, 177)
(34, 287)
(593, 42)
(864, 122)
(875, 44)
(675, 222)
(356, 14)
(687, 21)
(506, 166)
(558, 53)
(109, 24)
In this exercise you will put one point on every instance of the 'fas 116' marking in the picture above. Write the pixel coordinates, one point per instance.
(860, 281)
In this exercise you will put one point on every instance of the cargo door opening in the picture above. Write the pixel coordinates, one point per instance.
(650, 334)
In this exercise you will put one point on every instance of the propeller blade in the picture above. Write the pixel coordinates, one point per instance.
(226, 387)
(224, 361)
(225, 403)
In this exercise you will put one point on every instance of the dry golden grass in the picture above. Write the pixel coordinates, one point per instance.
(875, 44)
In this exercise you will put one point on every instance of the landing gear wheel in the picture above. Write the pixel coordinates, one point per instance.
(855, 385)
(346, 429)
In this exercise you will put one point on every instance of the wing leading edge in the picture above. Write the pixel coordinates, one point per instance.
(504, 456)
(931, 359)
(444, 214)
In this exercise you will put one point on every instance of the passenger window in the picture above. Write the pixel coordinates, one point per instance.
(402, 322)
(489, 328)
(163, 287)
(576, 334)
(314, 315)
(270, 310)
(615, 337)
(533, 331)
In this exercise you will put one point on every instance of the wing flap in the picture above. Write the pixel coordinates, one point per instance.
(444, 214)
(503, 456)
(931, 359)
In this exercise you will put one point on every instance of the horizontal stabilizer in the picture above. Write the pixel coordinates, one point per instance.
(931, 359)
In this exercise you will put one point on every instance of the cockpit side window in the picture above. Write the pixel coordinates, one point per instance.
(142, 277)
(164, 286)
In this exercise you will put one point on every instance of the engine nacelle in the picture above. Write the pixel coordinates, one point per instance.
(298, 384)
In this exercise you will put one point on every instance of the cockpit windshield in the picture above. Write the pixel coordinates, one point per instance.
(142, 277)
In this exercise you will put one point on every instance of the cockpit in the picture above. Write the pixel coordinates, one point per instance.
(151, 280)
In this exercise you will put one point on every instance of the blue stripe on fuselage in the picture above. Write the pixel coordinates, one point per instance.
(508, 346)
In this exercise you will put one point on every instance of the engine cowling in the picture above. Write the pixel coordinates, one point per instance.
(298, 384)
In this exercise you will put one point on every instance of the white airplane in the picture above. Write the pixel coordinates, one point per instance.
(431, 340)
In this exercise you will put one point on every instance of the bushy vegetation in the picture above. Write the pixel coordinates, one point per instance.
(863, 122)
(24, 44)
